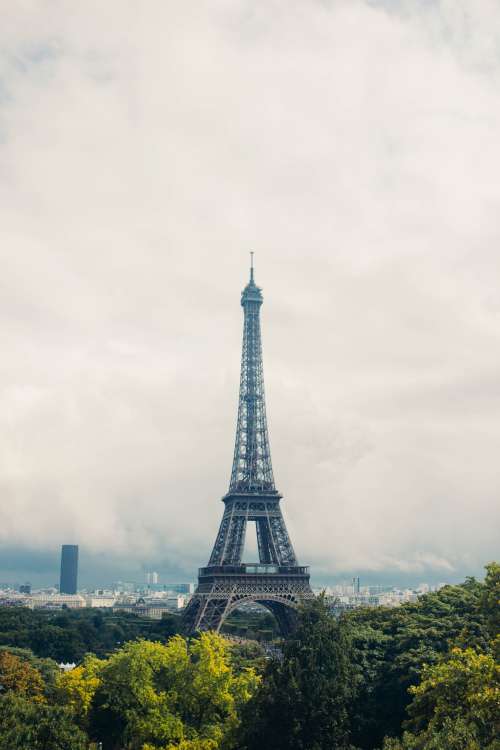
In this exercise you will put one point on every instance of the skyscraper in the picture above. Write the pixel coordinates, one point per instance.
(69, 569)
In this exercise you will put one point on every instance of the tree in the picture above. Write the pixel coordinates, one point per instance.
(214, 693)
(453, 735)
(248, 654)
(48, 668)
(20, 677)
(304, 698)
(76, 688)
(129, 708)
(178, 695)
(490, 598)
(456, 705)
(391, 647)
(25, 725)
(465, 686)
(69, 635)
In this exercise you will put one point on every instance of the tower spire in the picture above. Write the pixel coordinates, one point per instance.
(251, 266)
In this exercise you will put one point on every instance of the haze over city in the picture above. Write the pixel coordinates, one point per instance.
(145, 151)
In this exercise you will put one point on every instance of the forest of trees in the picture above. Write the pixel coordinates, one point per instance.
(67, 635)
(424, 676)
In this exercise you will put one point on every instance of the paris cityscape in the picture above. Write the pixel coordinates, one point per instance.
(275, 582)
(250, 387)
(151, 598)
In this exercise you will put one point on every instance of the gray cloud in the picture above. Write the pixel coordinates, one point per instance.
(143, 152)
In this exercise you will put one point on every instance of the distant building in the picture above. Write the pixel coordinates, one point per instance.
(25, 588)
(69, 569)
(55, 601)
(67, 666)
(152, 607)
(100, 600)
(180, 588)
(154, 577)
(13, 599)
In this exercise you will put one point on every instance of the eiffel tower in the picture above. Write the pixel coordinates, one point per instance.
(277, 581)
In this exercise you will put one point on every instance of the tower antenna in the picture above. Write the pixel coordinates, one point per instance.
(251, 265)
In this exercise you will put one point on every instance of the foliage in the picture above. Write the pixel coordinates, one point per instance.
(66, 636)
(161, 696)
(391, 647)
(27, 725)
(248, 654)
(20, 677)
(430, 668)
(259, 626)
(457, 704)
(304, 698)
(185, 695)
(465, 685)
(454, 735)
(48, 668)
(76, 688)
(490, 598)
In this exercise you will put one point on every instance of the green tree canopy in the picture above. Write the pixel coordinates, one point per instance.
(304, 698)
(391, 647)
(179, 695)
(26, 725)
(69, 635)
(77, 687)
(456, 705)
(490, 598)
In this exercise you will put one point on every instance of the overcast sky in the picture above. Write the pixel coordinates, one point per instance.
(145, 148)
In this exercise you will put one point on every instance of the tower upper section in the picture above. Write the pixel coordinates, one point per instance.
(252, 469)
(251, 294)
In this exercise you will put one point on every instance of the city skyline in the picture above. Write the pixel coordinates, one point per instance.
(95, 574)
(373, 215)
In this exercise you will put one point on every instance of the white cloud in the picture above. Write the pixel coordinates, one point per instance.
(144, 150)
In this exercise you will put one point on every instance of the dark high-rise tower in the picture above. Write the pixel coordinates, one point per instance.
(69, 569)
(277, 581)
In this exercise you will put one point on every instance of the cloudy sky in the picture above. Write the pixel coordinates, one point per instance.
(145, 148)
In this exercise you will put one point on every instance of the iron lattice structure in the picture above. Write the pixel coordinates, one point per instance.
(252, 469)
(277, 581)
